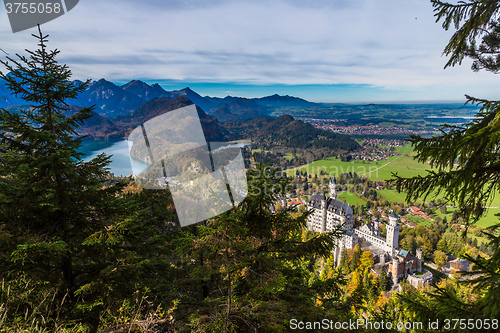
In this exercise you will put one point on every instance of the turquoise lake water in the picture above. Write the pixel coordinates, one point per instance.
(121, 163)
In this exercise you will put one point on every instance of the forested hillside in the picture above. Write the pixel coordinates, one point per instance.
(84, 251)
(285, 131)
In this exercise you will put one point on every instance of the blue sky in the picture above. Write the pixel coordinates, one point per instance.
(320, 50)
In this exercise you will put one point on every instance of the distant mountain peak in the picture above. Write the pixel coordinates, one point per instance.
(136, 82)
(157, 106)
(143, 90)
(239, 110)
(109, 99)
(204, 103)
(284, 101)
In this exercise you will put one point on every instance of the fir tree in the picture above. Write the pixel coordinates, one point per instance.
(382, 280)
(63, 233)
(466, 158)
(254, 264)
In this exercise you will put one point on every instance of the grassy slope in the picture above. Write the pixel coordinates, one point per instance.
(393, 196)
(351, 199)
(289, 156)
(382, 170)
(403, 165)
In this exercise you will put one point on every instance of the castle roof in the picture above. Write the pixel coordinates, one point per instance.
(347, 231)
(394, 215)
(403, 253)
(371, 227)
(317, 197)
(332, 205)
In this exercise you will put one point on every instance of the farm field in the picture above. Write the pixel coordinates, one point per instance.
(487, 220)
(351, 198)
(406, 149)
(403, 165)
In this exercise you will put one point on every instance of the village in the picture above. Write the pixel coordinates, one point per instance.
(338, 126)
(369, 226)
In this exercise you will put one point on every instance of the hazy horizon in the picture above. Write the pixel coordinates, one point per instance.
(328, 94)
(334, 51)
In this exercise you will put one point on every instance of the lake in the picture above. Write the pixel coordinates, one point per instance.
(121, 163)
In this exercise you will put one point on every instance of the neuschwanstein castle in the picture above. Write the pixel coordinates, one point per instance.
(329, 212)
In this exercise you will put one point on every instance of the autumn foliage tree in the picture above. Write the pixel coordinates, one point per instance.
(254, 264)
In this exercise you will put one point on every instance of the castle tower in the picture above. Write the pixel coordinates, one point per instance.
(333, 188)
(393, 228)
(323, 214)
(395, 268)
(419, 259)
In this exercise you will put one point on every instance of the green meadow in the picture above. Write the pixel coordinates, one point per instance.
(290, 156)
(393, 195)
(351, 199)
(403, 165)
(487, 220)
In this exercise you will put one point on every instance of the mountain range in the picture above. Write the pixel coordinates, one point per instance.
(120, 109)
(112, 101)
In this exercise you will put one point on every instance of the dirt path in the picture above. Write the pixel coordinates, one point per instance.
(383, 166)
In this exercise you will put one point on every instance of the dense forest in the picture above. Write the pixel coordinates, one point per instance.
(285, 131)
(81, 251)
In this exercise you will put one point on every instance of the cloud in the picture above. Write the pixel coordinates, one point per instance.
(391, 44)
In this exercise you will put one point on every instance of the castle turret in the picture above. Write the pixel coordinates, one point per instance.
(333, 188)
(323, 214)
(419, 259)
(393, 219)
(395, 268)
(393, 228)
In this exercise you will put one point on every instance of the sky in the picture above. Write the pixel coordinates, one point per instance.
(345, 51)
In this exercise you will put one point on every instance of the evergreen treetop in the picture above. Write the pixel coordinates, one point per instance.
(467, 160)
(62, 232)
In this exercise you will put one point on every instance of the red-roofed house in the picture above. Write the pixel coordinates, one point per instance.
(414, 209)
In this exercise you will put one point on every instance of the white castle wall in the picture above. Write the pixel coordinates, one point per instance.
(325, 220)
